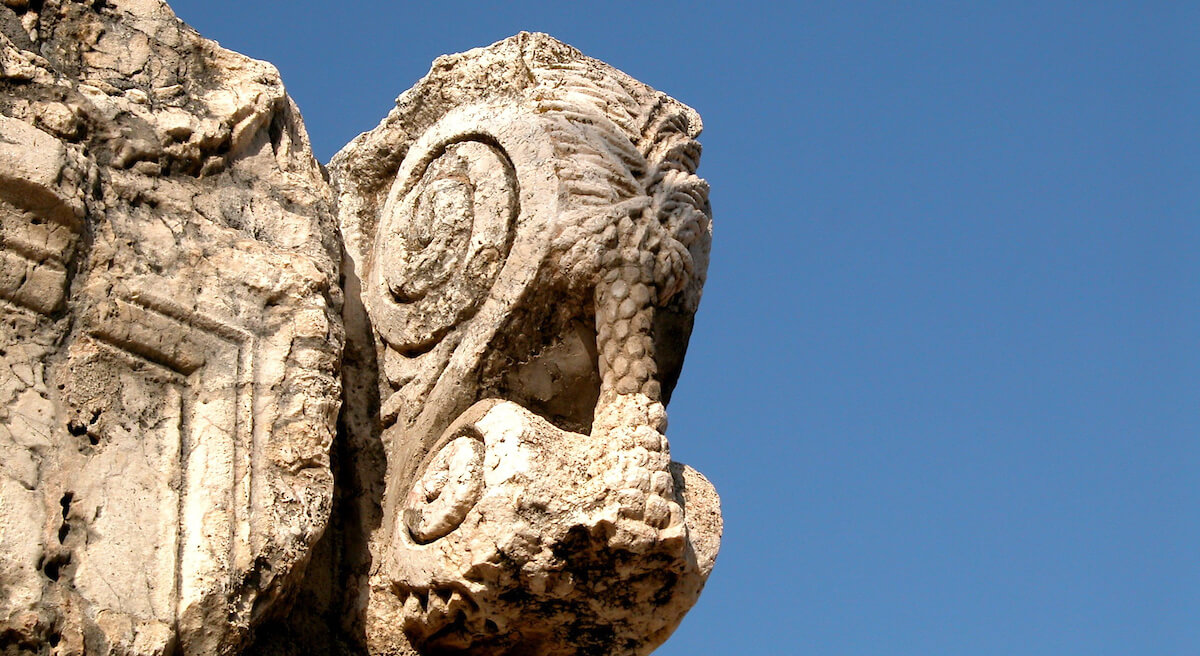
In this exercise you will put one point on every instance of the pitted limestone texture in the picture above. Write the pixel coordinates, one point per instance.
(170, 335)
(528, 240)
(413, 405)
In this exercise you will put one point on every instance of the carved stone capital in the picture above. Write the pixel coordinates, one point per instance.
(531, 241)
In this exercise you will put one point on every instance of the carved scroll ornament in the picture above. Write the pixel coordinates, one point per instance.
(531, 240)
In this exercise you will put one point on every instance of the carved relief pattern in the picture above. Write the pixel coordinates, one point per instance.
(33, 260)
(169, 336)
(444, 240)
(202, 453)
(492, 512)
(527, 241)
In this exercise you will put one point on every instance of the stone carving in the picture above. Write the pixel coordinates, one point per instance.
(171, 333)
(520, 247)
(531, 240)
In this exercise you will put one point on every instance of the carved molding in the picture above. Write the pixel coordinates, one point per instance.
(204, 369)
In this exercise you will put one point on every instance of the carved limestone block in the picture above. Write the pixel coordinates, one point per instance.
(529, 240)
(169, 335)
(525, 242)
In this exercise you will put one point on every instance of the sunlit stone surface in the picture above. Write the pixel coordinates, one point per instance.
(416, 406)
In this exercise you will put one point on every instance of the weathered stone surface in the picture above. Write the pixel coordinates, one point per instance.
(170, 322)
(523, 242)
(528, 239)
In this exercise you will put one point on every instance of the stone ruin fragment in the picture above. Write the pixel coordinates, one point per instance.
(411, 405)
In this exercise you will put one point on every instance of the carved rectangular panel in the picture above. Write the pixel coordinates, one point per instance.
(179, 444)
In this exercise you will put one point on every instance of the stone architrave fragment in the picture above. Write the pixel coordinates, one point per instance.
(170, 335)
(527, 241)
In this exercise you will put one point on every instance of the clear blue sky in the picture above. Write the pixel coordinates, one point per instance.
(946, 373)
